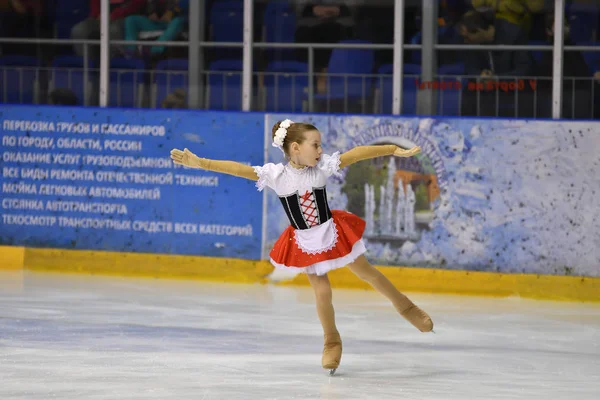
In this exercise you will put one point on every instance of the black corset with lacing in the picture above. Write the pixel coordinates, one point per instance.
(308, 210)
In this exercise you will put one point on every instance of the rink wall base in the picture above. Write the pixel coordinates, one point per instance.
(12, 257)
(409, 279)
(165, 266)
(543, 287)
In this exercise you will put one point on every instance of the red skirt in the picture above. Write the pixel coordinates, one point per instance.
(346, 249)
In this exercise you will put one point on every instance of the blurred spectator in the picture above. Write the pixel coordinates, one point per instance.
(576, 92)
(478, 28)
(168, 16)
(90, 27)
(450, 14)
(322, 22)
(513, 17)
(452, 11)
(475, 28)
(574, 64)
(62, 97)
(20, 19)
(375, 23)
(175, 99)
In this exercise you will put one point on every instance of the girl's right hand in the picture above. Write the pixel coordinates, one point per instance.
(185, 158)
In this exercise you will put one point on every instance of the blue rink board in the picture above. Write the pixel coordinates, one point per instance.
(223, 213)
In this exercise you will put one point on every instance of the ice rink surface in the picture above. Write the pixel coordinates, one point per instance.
(91, 337)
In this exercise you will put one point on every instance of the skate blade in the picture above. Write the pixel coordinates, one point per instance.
(332, 371)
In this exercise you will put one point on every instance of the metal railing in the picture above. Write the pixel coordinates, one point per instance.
(455, 95)
(310, 49)
(368, 99)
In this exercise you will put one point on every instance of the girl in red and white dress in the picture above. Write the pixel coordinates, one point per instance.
(318, 239)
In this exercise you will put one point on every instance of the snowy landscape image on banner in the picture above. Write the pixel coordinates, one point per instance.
(486, 195)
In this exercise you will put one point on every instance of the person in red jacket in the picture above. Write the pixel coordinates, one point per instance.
(90, 27)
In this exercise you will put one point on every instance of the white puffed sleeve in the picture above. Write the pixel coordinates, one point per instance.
(330, 164)
(267, 174)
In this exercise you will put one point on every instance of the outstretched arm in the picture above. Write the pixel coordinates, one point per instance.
(366, 152)
(189, 159)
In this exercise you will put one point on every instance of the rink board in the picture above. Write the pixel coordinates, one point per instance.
(543, 287)
(489, 195)
(100, 179)
(501, 207)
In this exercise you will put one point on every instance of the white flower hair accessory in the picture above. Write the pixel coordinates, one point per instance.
(281, 133)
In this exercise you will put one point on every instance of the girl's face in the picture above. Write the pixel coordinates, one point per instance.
(309, 152)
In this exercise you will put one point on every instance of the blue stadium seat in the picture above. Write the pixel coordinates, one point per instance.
(68, 13)
(168, 75)
(279, 26)
(227, 25)
(583, 20)
(68, 73)
(225, 85)
(126, 82)
(538, 54)
(449, 96)
(285, 90)
(592, 58)
(415, 55)
(384, 86)
(19, 79)
(350, 61)
(445, 35)
(227, 20)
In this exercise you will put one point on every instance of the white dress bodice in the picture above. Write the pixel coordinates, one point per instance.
(287, 181)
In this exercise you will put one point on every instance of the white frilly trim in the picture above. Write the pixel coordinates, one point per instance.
(331, 164)
(263, 175)
(323, 267)
(322, 249)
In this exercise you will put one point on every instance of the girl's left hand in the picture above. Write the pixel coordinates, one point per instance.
(407, 153)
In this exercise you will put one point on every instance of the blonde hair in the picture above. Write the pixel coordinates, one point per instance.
(295, 133)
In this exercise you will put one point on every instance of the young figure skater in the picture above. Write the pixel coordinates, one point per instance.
(318, 239)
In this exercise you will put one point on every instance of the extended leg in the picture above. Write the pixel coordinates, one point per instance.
(405, 307)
